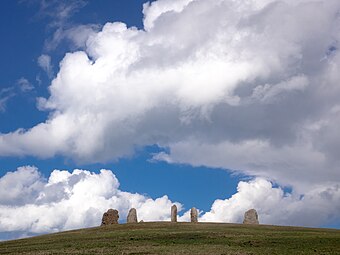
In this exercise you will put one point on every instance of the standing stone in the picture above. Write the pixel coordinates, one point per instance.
(174, 213)
(194, 215)
(132, 216)
(110, 217)
(251, 217)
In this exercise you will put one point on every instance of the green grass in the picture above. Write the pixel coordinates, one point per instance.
(181, 238)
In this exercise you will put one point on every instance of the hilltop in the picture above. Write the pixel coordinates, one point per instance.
(181, 238)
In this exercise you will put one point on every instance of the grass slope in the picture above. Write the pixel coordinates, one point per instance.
(181, 238)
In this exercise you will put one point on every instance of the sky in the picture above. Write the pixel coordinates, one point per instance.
(220, 105)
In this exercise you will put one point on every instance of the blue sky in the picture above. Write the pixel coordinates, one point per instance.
(214, 105)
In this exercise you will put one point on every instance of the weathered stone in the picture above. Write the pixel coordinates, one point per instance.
(174, 213)
(110, 217)
(194, 215)
(251, 217)
(132, 216)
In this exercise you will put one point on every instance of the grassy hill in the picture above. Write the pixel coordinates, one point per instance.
(181, 238)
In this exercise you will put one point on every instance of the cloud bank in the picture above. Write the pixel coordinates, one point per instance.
(317, 207)
(250, 86)
(31, 204)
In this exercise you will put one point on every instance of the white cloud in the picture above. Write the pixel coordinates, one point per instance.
(274, 206)
(57, 15)
(154, 10)
(297, 165)
(44, 62)
(20, 186)
(243, 85)
(268, 92)
(75, 35)
(31, 204)
(5, 95)
(58, 11)
(24, 85)
(3, 102)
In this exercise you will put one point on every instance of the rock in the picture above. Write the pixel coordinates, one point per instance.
(141, 221)
(194, 215)
(132, 216)
(110, 217)
(251, 217)
(174, 213)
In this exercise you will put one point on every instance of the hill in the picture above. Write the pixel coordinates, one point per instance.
(181, 238)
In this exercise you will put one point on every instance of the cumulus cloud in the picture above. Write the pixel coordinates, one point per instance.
(274, 206)
(31, 204)
(249, 86)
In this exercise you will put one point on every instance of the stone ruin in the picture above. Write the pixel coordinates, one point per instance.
(251, 217)
(132, 216)
(110, 217)
(174, 213)
(194, 215)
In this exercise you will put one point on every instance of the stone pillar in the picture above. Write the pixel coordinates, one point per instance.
(110, 217)
(174, 213)
(251, 217)
(132, 216)
(194, 215)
